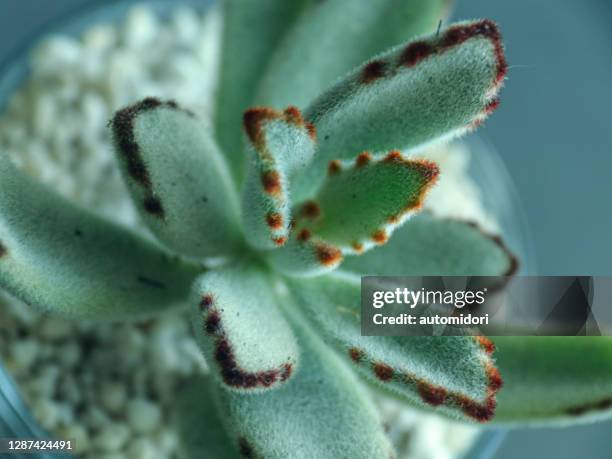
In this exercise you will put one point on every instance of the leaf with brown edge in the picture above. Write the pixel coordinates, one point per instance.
(252, 30)
(178, 178)
(305, 255)
(362, 203)
(554, 380)
(280, 144)
(226, 303)
(332, 37)
(455, 376)
(430, 246)
(322, 412)
(428, 90)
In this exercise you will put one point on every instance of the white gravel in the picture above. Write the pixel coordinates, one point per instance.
(110, 386)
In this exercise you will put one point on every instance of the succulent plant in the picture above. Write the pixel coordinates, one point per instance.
(266, 232)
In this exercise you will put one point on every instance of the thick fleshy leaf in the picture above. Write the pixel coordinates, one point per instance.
(305, 255)
(332, 37)
(431, 246)
(361, 204)
(554, 379)
(251, 32)
(178, 178)
(455, 375)
(321, 412)
(199, 423)
(430, 89)
(63, 259)
(240, 329)
(281, 144)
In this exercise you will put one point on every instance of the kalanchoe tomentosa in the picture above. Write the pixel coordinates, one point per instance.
(292, 210)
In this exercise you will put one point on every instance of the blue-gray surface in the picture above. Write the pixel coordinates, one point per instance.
(553, 131)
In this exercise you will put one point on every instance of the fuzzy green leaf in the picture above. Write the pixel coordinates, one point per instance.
(240, 329)
(305, 255)
(455, 375)
(63, 259)
(322, 412)
(356, 208)
(178, 178)
(361, 204)
(281, 144)
(252, 30)
(332, 37)
(427, 90)
(554, 379)
(430, 246)
(199, 423)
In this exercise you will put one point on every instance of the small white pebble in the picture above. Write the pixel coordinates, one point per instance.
(55, 53)
(111, 437)
(140, 27)
(142, 448)
(78, 434)
(428, 436)
(113, 396)
(44, 116)
(460, 437)
(163, 355)
(166, 440)
(192, 354)
(24, 353)
(95, 112)
(46, 411)
(96, 418)
(185, 24)
(99, 38)
(143, 415)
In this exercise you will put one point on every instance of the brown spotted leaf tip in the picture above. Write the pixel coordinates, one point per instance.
(305, 254)
(418, 51)
(244, 356)
(433, 394)
(232, 373)
(426, 91)
(456, 375)
(127, 146)
(282, 143)
(255, 119)
(178, 178)
(359, 207)
(364, 201)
